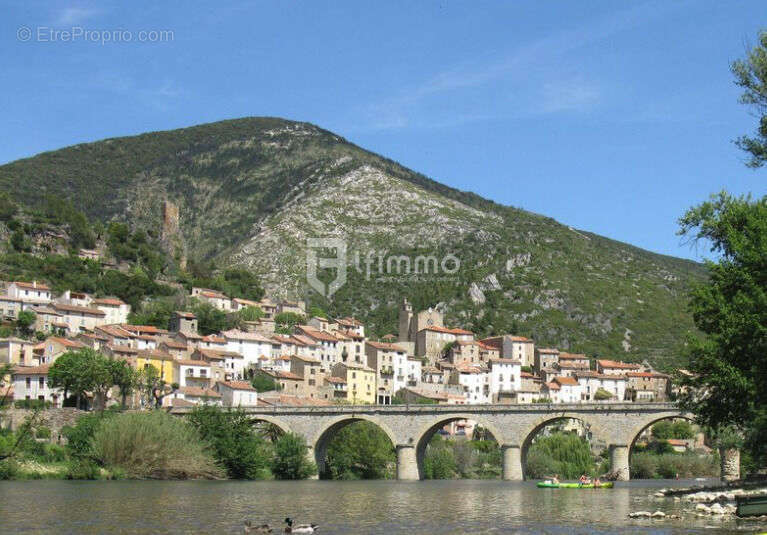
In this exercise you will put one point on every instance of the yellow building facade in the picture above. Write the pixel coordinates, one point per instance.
(360, 381)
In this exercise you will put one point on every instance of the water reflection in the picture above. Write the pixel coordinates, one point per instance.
(430, 507)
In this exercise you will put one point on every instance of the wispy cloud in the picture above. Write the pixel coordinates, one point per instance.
(71, 15)
(535, 75)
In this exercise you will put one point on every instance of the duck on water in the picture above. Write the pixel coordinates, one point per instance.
(289, 528)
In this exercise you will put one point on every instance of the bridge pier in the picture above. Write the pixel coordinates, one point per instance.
(730, 464)
(312, 458)
(619, 461)
(512, 463)
(407, 463)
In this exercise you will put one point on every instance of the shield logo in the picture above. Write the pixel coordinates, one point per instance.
(313, 262)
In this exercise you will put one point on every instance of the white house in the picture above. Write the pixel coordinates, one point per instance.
(475, 382)
(592, 381)
(116, 310)
(569, 389)
(505, 376)
(31, 383)
(30, 291)
(237, 394)
(250, 345)
(192, 372)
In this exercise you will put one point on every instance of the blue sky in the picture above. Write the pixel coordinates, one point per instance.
(613, 117)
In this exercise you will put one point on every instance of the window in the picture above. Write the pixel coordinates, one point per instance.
(41, 382)
(29, 382)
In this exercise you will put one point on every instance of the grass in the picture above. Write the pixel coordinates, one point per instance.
(153, 445)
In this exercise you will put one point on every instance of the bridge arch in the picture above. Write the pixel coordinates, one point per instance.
(637, 430)
(324, 436)
(427, 431)
(278, 423)
(596, 434)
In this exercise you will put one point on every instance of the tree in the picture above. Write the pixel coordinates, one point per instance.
(8, 208)
(251, 314)
(209, 319)
(360, 451)
(286, 321)
(124, 378)
(264, 383)
(81, 371)
(236, 444)
(25, 320)
(602, 395)
(154, 388)
(290, 458)
(751, 74)
(728, 384)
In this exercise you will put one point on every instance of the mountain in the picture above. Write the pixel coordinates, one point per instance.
(249, 192)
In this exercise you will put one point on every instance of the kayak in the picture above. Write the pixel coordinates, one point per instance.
(549, 485)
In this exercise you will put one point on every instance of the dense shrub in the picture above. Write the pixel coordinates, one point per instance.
(153, 445)
(647, 465)
(236, 445)
(360, 451)
(9, 469)
(80, 435)
(565, 454)
(82, 469)
(439, 461)
(290, 458)
(43, 432)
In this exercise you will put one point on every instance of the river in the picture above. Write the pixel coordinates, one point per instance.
(360, 507)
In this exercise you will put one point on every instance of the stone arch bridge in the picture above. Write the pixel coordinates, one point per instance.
(410, 427)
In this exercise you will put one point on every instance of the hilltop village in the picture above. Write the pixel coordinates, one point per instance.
(322, 361)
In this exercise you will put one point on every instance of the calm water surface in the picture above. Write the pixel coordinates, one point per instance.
(386, 507)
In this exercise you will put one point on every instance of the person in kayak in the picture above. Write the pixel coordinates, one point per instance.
(555, 479)
(597, 482)
(583, 480)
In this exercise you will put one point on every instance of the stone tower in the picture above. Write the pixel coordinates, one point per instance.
(405, 317)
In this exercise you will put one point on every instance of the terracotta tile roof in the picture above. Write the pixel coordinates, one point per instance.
(78, 309)
(337, 380)
(304, 340)
(31, 285)
(143, 329)
(304, 358)
(246, 302)
(31, 370)
(618, 365)
(238, 385)
(355, 366)
(234, 334)
(114, 331)
(552, 386)
(218, 354)
(154, 354)
(174, 344)
(65, 341)
(316, 334)
(186, 315)
(279, 374)
(190, 362)
(122, 349)
(178, 402)
(213, 339)
(547, 350)
(109, 301)
(349, 321)
(573, 365)
(570, 381)
(196, 391)
(572, 356)
(384, 346)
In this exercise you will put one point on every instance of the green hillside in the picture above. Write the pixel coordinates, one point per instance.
(251, 191)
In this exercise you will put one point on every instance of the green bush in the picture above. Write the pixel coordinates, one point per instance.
(153, 445)
(360, 450)
(79, 436)
(32, 404)
(565, 454)
(290, 458)
(643, 466)
(236, 445)
(9, 469)
(82, 469)
(53, 453)
(43, 432)
(439, 462)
